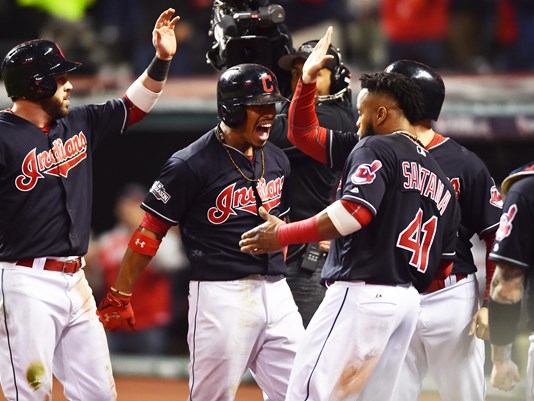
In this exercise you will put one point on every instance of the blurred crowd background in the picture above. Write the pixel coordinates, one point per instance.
(112, 36)
(113, 40)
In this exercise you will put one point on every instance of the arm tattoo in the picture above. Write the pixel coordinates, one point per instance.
(501, 353)
(507, 284)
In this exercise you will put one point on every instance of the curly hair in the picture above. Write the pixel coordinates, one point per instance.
(400, 88)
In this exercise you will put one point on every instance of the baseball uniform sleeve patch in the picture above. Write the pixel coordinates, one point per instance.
(366, 173)
(505, 225)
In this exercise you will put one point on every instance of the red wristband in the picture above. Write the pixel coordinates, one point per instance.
(300, 232)
(143, 244)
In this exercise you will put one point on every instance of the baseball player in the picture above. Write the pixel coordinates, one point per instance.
(394, 219)
(514, 255)
(48, 324)
(449, 337)
(443, 342)
(241, 311)
(312, 184)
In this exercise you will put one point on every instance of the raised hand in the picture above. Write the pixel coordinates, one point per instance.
(318, 57)
(163, 36)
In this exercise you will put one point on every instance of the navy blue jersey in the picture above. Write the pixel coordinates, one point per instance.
(200, 189)
(479, 199)
(46, 180)
(478, 196)
(514, 238)
(416, 215)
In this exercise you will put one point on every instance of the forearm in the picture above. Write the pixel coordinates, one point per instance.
(304, 130)
(154, 77)
(501, 353)
(132, 265)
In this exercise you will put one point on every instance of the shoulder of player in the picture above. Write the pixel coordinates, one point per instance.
(451, 153)
(522, 182)
(273, 152)
(200, 152)
(335, 116)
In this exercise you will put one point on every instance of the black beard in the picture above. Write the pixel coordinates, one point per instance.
(368, 131)
(54, 108)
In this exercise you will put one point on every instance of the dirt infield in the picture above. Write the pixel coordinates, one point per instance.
(153, 389)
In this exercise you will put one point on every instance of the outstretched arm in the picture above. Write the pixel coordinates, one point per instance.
(339, 219)
(142, 95)
(303, 125)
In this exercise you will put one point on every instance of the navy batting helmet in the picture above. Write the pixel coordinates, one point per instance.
(245, 85)
(28, 69)
(428, 80)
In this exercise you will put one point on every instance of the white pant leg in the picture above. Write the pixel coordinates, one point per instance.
(284, 329)
(229, 324)
(82, 361)
(35, 313)
(455, 359)
(530, 370)
(358, 336)
(414, 368)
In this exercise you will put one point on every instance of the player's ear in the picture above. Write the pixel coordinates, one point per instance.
(381, 115)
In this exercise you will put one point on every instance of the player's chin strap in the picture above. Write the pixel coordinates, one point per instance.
(330, 98)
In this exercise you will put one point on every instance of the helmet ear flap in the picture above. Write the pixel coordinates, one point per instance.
(43, 87)
(233, 115)
(340, 79)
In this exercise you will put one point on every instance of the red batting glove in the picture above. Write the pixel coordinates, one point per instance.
(113, 311)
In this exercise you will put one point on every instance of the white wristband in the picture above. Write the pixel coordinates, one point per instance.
(142, 97)
(344, 222)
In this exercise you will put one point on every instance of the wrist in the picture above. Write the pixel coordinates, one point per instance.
(300, 232)
(308, 79)
(501, 353)
(158, 69)
(120, 294)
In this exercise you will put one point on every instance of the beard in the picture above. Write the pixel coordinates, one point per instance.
(54, 107)
(368, 131)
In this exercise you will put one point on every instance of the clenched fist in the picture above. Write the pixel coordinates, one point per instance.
(113, 311)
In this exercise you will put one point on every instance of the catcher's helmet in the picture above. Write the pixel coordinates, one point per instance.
(428, 80)
(244, 85)
(28, 69)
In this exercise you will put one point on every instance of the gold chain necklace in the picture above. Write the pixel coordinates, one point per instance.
(220, 137)
(412, 137)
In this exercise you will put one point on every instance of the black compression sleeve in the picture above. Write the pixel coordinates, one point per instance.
(503, 321)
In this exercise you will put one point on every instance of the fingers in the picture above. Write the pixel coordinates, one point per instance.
(131, 323)
(473, 326)
(264, 214)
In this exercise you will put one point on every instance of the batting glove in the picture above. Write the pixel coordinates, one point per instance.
(113, 311)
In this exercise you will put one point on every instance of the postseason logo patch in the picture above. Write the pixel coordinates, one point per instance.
(158, 190)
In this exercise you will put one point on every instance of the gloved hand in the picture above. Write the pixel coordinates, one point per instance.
(113, 311)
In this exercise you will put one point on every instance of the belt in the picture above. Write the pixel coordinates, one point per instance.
(64, 266)
(439, 284)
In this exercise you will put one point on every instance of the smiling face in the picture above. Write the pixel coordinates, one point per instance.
(58, 105)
